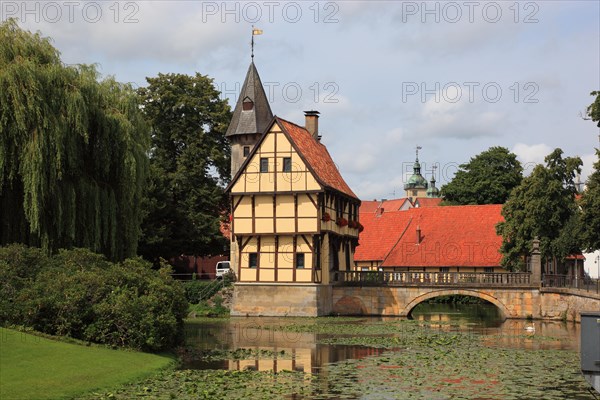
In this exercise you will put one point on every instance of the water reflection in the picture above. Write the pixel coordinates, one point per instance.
(429, 365)
(278, 350)
(486, 321)
(272, 350)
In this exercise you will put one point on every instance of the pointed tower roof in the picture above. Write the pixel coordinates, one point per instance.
(432, 190)
(252, 112)
(416, 181)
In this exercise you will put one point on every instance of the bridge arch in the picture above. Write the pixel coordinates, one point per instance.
(504, 312)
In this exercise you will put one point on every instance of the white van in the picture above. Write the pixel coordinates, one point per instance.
(223, 267)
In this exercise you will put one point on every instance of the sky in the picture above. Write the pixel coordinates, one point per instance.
(455, 78)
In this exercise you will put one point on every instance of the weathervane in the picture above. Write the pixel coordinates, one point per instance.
(255, 32)
(418, 148)
(433, 168)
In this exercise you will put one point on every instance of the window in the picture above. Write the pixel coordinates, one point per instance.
(252, 260)
(488, 270)
(287, 164)
(246, 151)
(445, 269)
(299, 260)
(247, 104)
(264, 165)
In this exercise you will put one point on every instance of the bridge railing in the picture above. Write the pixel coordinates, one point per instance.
(570, 282)
(405, 278)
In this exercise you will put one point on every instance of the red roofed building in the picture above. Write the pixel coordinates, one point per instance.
(447, 239)
(294, 219)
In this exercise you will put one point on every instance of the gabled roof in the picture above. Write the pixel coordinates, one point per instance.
(313, 153)
(428, 201)
(316, 157)
(257, 119)
(369, 206)
(452, 236)
(381, 233)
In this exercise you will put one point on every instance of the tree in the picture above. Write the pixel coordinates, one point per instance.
(487, 178)
(543, 205)
(190, 166)
(593, 110)
(73, 150)
(590, 206)
(590, 199)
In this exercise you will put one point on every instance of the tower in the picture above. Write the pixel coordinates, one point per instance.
(432, 190)
(417, 185)
(251, 116)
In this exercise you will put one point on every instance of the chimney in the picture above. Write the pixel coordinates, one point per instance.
(419, 234)
(312, 123)
(380, 211)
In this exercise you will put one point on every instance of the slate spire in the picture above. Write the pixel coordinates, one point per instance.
(252, 112)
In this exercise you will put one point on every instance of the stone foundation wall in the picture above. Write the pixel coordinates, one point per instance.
(390, 301)
(311, 300)
(281, 300)
(565, 305)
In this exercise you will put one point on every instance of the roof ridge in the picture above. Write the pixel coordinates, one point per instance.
(300, 127)
(316, 156)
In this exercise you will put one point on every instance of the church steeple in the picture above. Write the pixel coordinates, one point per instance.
(416, 185)
(251, 117)
(432, 190)
(252, 112)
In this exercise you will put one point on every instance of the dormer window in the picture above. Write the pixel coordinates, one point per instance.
(247, 104)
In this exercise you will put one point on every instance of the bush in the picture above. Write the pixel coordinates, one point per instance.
(196, 291)
(19, 266)
(79, 294)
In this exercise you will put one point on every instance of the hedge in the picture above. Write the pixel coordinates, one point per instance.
(80, 294)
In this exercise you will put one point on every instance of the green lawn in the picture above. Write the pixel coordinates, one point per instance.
(33, 367)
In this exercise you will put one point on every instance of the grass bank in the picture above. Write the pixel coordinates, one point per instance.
(33, 367)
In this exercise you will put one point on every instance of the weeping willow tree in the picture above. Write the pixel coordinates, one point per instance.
(73, 151)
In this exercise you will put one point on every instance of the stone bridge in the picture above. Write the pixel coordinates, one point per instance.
(514, 294)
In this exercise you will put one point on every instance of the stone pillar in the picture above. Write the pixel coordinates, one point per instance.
(536, 263)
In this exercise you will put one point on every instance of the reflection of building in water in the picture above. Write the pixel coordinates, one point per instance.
(548, 335)
(301, 351)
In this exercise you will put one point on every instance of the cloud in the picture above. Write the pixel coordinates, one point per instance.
(588, 165)
(451, 114)
(531, 155)
(163, 31)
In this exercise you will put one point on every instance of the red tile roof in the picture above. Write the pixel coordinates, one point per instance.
(369, 206)
(452, 236)
(381, 233)
(372, 206)
(316, 156)
(428, 201)
(394, 205)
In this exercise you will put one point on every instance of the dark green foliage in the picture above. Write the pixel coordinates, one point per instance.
(593, 110)
(196, 291)
(590, 205)
(487, 178)
(80, 294)
(19, 267)
(190, 161)
(542, 205)
(209, 309)
(73, 151)
(456, 299)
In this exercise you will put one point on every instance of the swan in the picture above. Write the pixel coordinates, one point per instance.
(530, 328)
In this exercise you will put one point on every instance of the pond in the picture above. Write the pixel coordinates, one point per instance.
(448, 351)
